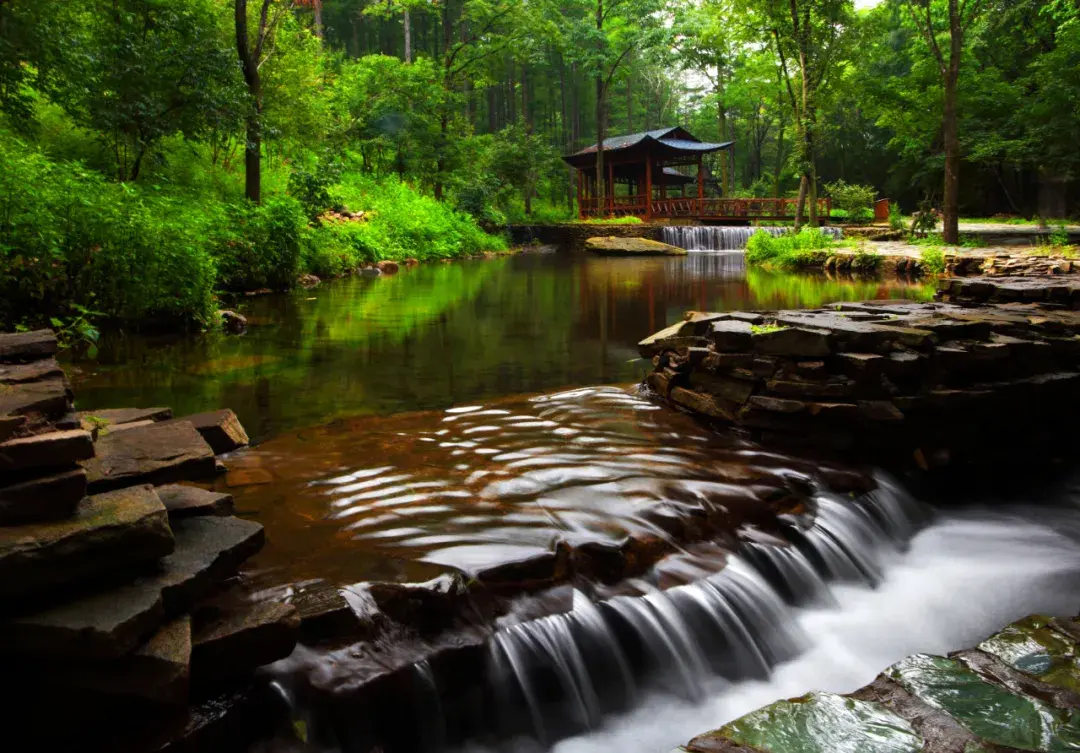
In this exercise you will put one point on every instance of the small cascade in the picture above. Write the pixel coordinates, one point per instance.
(714, 238)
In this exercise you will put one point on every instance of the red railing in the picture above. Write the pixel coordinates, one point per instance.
(694, 208)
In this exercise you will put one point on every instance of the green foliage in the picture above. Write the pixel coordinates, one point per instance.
(613, 221)
(933, 260)
(856, 201)
(865, 261)
(260, 246)
(312, 187)
(809, 247)
(896, 220)
(764, 329)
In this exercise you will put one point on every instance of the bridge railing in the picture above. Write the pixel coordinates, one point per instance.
(694, 208)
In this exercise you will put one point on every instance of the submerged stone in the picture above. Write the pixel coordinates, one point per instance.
(612, 246)
(988, 711)
(815, 723)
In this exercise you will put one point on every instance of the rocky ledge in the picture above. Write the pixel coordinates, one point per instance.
(121, 611)
(1017, 690)
(929, 384)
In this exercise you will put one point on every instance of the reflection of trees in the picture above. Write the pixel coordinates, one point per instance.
(441, 334)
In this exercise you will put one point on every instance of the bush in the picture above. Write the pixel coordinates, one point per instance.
(628, 220)
(857, 201)
(808, 247)
(896, 220)
(260, 245)
(933, 260)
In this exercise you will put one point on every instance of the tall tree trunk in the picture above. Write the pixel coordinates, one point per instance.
(253, 120)
(526, 113)
(317, 6)
(407, 24)
(444, 118)
(721, 113)
(629, 104)
(950, 129)
(601, 193)
(800, 204)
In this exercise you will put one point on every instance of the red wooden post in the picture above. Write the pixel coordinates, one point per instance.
(700, 184)
(648, 189)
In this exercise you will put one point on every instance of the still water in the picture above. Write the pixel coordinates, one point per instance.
(439, 335)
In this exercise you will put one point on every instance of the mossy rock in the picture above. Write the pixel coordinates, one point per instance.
(612, 246)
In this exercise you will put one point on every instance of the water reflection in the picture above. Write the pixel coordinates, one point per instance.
(440, 335)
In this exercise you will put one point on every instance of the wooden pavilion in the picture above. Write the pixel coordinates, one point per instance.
(642, 177)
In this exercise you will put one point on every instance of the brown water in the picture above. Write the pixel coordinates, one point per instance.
(440, 335)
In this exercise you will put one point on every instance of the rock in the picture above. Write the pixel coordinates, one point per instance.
(118, 416)
(221, 429)
(54, 449)
(793, 341)
(667, 338)
(713, 407)
(387, 267)
(232, 641)
(879, 410)
(156, 671)
(50, 497)
(735, 390)
(308, 281)
(10, 426)
(233, 322)
(108, 532)
(790, 388)
(731, 336)
(159, 454)
(325, 614)
(103, 625)
(187, 501)
(612, 246)
(208, 549)
(27, 346)
(34, 371)
(50, 397)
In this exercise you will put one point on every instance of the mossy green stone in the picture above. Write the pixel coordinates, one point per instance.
(986, 710)
(823, 723)
(1032, 646)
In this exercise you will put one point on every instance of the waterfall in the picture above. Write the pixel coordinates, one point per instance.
(714, 238)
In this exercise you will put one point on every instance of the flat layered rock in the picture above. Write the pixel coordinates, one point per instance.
(27, 346)
(118, 416)
(10, 426)
(49, 397)
(233, 640)
(156, 671)
(187, 501)
(221, 429)
(51, 497)
(54, 449)
(101, 626)
(208, 550)
(17, 373)
(612, 246)
(158, 454)
(108, 532)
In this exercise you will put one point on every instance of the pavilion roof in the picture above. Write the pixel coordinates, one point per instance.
(664, 142)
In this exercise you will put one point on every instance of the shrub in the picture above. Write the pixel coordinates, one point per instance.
(896, 220)
(808, 247)
(260, 245)
(865, 261)
(933, 260)
(857, 201)
(628, 220)
(312, 187)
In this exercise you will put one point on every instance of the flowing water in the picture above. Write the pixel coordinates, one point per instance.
(713, 238)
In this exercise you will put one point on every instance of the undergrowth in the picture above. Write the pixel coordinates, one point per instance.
(809, 247)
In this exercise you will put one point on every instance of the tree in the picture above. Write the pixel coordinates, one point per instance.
(253, 54)
(959, 15)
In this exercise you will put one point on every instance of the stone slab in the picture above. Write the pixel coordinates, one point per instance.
(612, 246)
(159, 454)
(53, 449)
(27, 346)
(17, 373)
(221, 429)
(10, 426)
(101, 626)
(49, 397)
(793, 341)
(108, 532)
(208, 550)
(187, 501)
(117, 416)
(51, 497)
(232, 640)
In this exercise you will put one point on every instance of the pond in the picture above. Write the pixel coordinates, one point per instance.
(438, 335)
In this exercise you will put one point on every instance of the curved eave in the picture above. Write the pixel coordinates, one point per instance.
(658, 148)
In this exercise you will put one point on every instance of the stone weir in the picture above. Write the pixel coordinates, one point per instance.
(927, 384)
(1017, 690)
(121, 614)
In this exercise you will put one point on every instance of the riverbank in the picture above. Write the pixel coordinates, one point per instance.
(1017, 689)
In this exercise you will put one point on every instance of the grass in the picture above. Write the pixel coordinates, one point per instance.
(611, 221)
(807, 248)
(933, 260)
(764, 329)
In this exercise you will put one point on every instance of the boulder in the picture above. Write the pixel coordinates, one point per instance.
(232, 640)
(612, 246)
(108, 532)
(208, 550)
(158, 454)
(187, 501)
(103, 625)
(221, 429)
(53, 449)
(117, 416)
(49, 497)
(27, 346)
(233, 322)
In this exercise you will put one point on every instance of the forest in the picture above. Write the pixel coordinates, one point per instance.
(154, 153)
